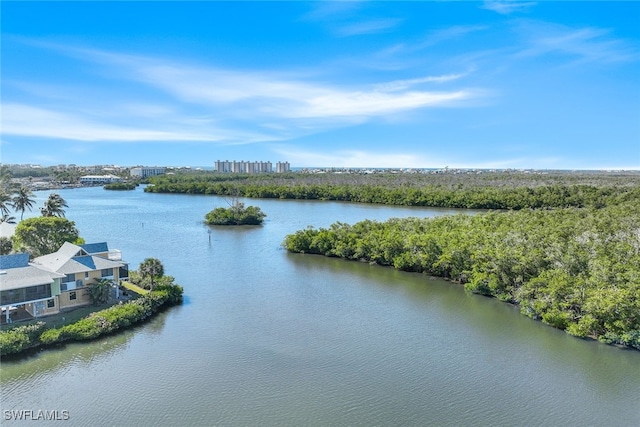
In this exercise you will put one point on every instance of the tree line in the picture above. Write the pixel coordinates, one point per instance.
(575, 269)
(493, 191)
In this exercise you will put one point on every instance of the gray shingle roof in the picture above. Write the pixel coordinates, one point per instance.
(30, 275)
(72, 258)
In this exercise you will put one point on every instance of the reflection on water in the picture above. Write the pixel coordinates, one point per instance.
(62, 356)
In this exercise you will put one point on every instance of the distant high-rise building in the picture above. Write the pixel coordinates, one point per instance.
(282, 167)
(248, 167)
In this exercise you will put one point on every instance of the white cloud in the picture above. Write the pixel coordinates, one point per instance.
(585, 44)
(166, 100)
(264, 94)
(405, 84)
(25, 120)
(506, 7)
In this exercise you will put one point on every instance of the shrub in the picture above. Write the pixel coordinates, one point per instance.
(18, 339)
(96, 324)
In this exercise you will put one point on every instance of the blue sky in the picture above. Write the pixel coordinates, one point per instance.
(550, 85)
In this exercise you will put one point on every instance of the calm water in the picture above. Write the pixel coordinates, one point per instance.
(271, 338)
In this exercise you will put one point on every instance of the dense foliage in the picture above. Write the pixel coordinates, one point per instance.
(236, 214)
(152, 270)
(20, 338)
(96, 324)
(574, 269)
(54, 205)
(44, 235)
(165, 293)
(121, 186)
(505, 190)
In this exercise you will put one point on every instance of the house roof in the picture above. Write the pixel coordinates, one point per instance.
(14, 260)
(17, 275)
(87, 263)
(72, 258)
(57, 259)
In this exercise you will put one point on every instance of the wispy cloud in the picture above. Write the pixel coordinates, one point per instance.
(26, 120)
(405, 84)
(215, 104)
(331, 9)
(583, 44)
(450, 33)
(367, 27)
(506, 7)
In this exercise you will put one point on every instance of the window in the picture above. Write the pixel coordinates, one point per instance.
(70, 278)
(51, 303)
(107, 272)
(72, 295)
(86, 274)
(37, 292)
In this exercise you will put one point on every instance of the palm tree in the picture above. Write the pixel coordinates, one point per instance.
(152, 268)
(99, 291)
(5, 202)
(53, 206)
(23, 201)
(8, 219)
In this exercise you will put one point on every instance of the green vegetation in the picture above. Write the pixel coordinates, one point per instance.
(99, 291)
(53, 206)
(121, 186)
(98, 323)
(151, 269)
(44, 235)
(134, 288)
(574, 269)
(20, 338)
(22, 200)
(236, 214)
(165, 294)
(500, 190)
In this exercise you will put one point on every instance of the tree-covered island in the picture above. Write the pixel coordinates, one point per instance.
(236, 214)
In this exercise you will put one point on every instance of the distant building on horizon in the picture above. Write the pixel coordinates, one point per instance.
(242, 166)
(145, 172)
(99, 179)
(282, 167)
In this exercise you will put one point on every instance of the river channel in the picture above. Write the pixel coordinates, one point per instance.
(268, 338)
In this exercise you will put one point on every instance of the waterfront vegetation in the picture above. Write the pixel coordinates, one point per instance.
(575, 269)
(236, 214)
(165, 293)
(121, 186)
(495, 190)
(96, 324)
